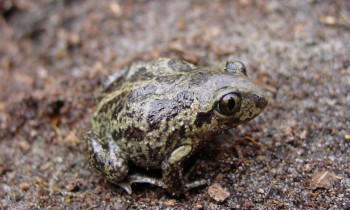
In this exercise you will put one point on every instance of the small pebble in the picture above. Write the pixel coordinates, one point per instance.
(24, 186)
(261, 191)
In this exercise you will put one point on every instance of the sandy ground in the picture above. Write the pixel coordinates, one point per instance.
(55, 54)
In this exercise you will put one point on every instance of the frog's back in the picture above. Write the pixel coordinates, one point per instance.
(136, 84)
(140, 71)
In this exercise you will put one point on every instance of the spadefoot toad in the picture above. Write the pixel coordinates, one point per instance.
(158, 114)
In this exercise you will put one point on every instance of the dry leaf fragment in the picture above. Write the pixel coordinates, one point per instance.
(217, 192)
(323, 179)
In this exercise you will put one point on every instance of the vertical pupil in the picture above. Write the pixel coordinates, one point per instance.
(231, 103)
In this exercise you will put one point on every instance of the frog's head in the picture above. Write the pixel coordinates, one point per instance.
(235, 99)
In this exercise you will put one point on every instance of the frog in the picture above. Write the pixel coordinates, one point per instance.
(155, 115)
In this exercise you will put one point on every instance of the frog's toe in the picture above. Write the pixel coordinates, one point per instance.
(195, 184)
(126, 185)
(139, 178)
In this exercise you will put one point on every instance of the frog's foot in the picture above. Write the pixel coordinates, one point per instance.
(139, 178)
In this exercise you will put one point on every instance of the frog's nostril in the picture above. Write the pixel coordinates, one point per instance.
(260, 102)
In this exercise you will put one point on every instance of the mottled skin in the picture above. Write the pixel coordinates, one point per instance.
(158, 114)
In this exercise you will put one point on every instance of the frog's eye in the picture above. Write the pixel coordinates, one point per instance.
(229, 104)
(235, 66)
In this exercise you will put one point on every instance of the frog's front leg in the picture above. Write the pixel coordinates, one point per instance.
(105, 157)
(172, 169)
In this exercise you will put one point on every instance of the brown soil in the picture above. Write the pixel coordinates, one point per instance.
(55, 54)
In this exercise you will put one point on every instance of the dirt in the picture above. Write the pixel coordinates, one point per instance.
(54, 55)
